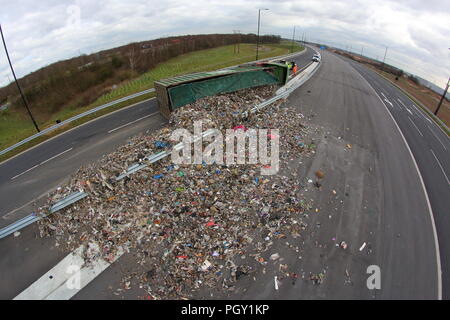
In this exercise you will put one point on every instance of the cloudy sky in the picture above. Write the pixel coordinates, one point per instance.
(416, 32)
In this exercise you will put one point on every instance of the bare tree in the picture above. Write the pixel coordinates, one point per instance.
(238, 42)
(134, 55)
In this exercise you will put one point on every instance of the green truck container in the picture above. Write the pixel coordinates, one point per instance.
(175, 92)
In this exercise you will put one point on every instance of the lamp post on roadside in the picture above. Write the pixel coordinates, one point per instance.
(293, 38)
(443, 97)
(17, 82)
(257, 39)
(384, 59)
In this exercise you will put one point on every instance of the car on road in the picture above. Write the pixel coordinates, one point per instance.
(316, 58)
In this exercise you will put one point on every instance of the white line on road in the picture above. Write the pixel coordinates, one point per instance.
(434, 134)
(422, 113)
(401, 102)
(415, 126)
(439, 163)
(127, 124)
(45, 161)
(404, 106)
(69, 276)
(389, 103)
(387, 100)
(428, 119)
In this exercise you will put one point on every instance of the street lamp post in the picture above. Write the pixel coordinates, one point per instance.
(257, 39)
(443, 97)
(293, 38)
(17, 82)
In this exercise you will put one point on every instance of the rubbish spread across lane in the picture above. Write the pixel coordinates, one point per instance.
(187, 225)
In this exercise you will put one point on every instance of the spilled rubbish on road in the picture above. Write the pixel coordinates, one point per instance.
(190, 226)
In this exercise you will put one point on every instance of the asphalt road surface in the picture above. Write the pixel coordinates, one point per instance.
(32, 174)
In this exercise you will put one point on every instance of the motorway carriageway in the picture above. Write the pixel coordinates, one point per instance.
(431, 149)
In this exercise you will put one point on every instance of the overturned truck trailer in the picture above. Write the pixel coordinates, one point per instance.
(175, 92)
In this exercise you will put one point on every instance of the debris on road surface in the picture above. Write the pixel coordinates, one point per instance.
(343, 245)
(320, 174)
(192, 225)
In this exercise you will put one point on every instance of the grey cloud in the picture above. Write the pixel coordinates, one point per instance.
(38, 33)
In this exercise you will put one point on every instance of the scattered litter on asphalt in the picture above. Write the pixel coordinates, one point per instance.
(189, 226)
(317, 278)
(274, 256)
(320, 174)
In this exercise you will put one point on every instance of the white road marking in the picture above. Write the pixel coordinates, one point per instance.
(404, 106)
(437, 137)
(389, 102)
(430, 210)
(415, 126)
(439, 163)
(401, 102)
(68, 277)
(422, 113)
(134, 121)
(45, 161)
